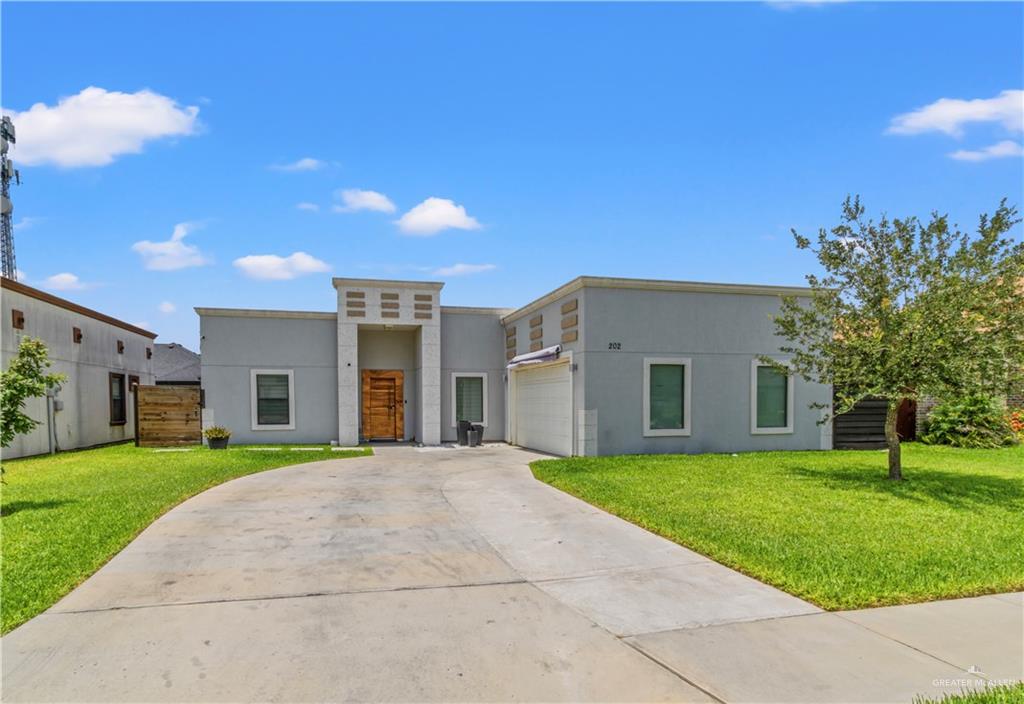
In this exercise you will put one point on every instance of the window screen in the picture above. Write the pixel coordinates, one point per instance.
(118, 408)
(272, 399)
(772, 401)
(469, 399)
(667, 394)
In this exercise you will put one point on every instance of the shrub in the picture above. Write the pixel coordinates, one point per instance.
(216, 432)
(1016, 420)
(972, 421)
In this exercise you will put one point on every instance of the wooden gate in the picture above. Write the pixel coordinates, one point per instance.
(167, 415)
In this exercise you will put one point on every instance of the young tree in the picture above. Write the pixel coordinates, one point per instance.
(25, 378)
(907, 310)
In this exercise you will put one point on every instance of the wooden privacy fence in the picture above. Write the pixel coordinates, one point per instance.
(167, 415)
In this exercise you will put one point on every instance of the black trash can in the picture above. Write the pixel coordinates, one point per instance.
(480, 433)
(473, 436)
(463, 432)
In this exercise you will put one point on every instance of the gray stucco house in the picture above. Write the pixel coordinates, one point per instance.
(598, 366)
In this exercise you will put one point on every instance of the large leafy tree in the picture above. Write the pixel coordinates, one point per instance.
(25, 378)
(908, 309)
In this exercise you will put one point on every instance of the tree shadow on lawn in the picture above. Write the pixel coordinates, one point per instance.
(15, 506)
(958, 490)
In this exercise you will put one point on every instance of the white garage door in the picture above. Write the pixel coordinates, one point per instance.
(543, 408)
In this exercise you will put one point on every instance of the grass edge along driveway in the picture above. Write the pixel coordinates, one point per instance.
(827, 526)
(64, 516)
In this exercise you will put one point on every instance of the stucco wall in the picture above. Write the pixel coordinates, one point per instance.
(85, 418)
(721, 333)
(473, 342)
(231, 346)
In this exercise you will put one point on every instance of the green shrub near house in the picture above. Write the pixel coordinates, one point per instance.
(972, 421)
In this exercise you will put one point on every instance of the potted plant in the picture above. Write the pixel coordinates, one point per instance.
(217, 437)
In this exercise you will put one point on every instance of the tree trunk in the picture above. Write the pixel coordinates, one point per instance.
(892, 439)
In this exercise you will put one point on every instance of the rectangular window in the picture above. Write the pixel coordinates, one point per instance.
(469, 397)
(771, 393)
(666, 396)
(118, 400)
(273, 399)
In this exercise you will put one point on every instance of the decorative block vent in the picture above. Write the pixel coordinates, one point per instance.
(18, 319)
(423, 297)
(355, 294)
(76, 336)
(120, 346)
(389, 296)
(424, 316)
(149, 353)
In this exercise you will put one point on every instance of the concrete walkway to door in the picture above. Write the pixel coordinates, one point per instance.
(452, 575)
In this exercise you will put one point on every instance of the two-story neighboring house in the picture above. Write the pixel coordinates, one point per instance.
(101, 356)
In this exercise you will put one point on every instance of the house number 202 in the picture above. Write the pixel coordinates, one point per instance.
(615, 345)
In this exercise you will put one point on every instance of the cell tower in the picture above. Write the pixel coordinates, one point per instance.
(7, 172)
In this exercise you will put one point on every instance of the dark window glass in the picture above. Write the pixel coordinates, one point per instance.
(272, 399)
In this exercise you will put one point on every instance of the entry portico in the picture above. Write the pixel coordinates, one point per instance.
(385, 318)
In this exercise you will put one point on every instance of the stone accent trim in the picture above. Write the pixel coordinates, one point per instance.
(534, 346)
(536, 320)
(355, 294)
(570, 306)
(536, 333)
(424, 316)
(570, 336)
(389, 314)
(389, 305)
(424, 306)
(570, 321)
(389, 296)
(423, 297)
(356, 313)
(355, 304)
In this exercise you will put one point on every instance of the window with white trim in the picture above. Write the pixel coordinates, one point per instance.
(469, 397)
(273, 399)
(771, 400)
(666, 396)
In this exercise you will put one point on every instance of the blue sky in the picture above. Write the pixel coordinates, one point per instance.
(676, 141)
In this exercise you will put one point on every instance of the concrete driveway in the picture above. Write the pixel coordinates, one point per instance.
(442, 575)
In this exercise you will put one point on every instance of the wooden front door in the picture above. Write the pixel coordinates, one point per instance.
(383, 406)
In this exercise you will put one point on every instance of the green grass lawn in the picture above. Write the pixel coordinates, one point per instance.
(827, 526)
(1005, 694)
(64, 516)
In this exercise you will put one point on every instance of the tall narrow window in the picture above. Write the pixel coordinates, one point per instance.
(273, 399)
(469, 397)
(771, 395)
(118, 407)
(666, 396)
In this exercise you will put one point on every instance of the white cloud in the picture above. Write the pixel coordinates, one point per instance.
(1000, 150)
(354, 199)
(20, 275)
(950, 115)
(307, 163)
(436, 214)
(167, 307)
(308, 207)
(64, 282)
(27, 222)
(463, 269)
(96, 126)
(173, 253)
(275, 268)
